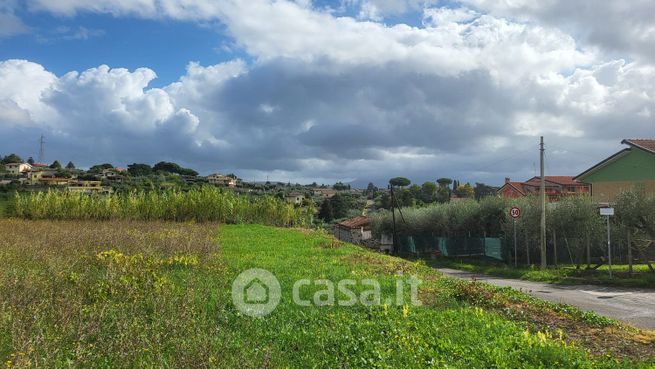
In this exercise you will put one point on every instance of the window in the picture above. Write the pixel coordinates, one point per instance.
(571, 189)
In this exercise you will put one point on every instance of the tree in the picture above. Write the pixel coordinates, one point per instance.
(415, 191)
(70, 166)
(399, 182)
(371, 190)
(62, 173)
(11, 159)
(100, 167)
(340, 205)
(636, 212)
(164, 166)
(428, 192)
(482, 190)
(340, 186)
(55, 165)
(139, 170)
(574, 221)
(326, 213)
(30, 160)
(464, 191)
(444, 182)
(443, 195)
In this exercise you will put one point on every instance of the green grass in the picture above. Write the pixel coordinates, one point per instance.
(563, 274)
(108, 294)
(3, 206)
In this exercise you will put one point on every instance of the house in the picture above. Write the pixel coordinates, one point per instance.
(53, 181)
(354, 230)
(221, 180)
(556, 187)
(113, 174)
(633, 165)
(18, 168)
(295, 198)
(325, 193)
(511, 190)
(36, 174)
(85, 186)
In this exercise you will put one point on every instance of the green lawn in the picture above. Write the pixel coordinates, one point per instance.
(563, 274)
(153, 294)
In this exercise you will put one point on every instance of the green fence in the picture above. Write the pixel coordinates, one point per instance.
(452, 246)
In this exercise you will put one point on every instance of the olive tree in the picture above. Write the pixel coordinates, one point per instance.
(635, 211)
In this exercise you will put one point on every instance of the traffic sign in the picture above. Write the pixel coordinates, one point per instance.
(607, 211)
(515, 212)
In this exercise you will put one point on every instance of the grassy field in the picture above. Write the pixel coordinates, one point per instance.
(563, 274)
(4, 203)
(157, 294)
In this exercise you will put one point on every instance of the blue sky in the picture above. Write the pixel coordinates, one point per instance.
(352, 90)
(166, 46)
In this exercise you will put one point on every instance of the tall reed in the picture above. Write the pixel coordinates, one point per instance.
(202, 205)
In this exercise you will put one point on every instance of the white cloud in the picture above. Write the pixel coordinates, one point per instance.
(339, 98)
(616, 26)
(444, 16)
(24, 83)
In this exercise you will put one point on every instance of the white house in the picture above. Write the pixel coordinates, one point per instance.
(295, 198)
(18, 168)
(221, 180)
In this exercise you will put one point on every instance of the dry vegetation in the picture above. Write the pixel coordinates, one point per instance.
(103, 293)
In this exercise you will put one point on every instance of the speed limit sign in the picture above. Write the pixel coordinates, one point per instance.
(514, 212)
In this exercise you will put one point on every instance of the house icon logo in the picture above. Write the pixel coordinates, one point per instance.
(256, 292)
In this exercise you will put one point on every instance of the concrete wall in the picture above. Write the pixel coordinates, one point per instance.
(607, 191)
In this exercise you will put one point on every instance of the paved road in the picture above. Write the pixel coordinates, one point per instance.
(634, 306)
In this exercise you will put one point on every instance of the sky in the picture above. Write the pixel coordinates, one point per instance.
(326, 91)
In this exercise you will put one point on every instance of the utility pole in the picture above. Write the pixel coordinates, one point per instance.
(609, 248)
(42, 150)
(542, 193)
(393, 219)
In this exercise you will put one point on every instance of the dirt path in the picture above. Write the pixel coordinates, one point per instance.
(634, 306)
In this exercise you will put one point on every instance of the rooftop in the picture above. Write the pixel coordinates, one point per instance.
(356, 222)
(644, 144)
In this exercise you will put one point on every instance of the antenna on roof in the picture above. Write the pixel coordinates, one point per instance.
(42, 149)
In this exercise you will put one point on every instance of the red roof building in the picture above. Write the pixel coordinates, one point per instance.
(354, 230)
(556, 187)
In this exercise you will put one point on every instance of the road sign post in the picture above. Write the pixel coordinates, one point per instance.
(515, 213)
(607, 213)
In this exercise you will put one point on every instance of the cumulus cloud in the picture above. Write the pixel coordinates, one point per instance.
(22, 85)
(325, 96)
(617, 26)
(95, 110)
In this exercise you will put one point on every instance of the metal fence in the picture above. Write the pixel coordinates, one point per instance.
(452, 246)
